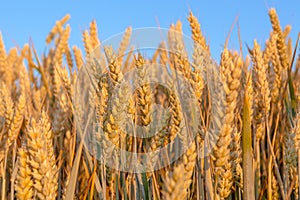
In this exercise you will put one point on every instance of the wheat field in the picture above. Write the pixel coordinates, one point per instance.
(251, 103)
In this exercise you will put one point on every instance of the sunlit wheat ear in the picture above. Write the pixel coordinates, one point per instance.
(61, 114)
(197, 75)
(176, 116)
(262, 99)
(163, 54)
(102, 99)
(270, 48)
(57, 28)
(62, 46)
(7, 109)
(262, 91)
(173, 188)
(144, 93)
(181, 62)
(7, 69)
(114, 132)
(42, 158)
(24, 182)
(2, 57)
(197, 33)
(87, 43)
(290, 153)
(234, 84)
(271, 58)
(177, 183)
(115, 73)
(296, 131)
(94, 34)
(17, 120)
(286, 31)
(281, 46)
(229, 140)
(124, 44)
(78, 57)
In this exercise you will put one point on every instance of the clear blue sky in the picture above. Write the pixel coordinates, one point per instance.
(21, 20)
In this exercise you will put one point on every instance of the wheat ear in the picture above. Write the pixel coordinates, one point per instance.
(42, 158)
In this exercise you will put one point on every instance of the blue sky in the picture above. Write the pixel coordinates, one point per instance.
(21, 20)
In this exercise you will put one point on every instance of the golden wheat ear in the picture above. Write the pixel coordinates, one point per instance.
(42, 158)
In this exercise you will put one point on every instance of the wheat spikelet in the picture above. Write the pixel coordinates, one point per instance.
(24, 183)
(197, 33)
